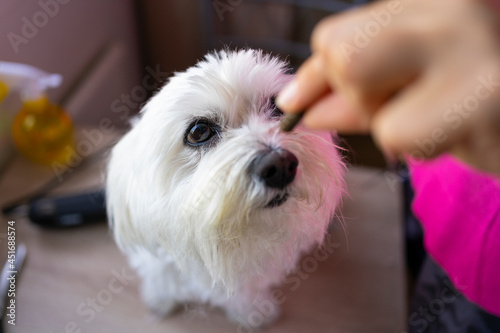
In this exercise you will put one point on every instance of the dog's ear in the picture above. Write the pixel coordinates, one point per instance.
(120, 194)
(119, 218)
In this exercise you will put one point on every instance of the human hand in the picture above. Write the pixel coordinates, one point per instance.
(422, 76)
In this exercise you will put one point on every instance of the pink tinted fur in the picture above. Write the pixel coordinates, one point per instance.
(459, 208)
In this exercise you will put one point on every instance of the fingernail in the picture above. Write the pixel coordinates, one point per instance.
(286, 96)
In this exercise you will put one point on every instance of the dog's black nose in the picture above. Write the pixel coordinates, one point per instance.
(277, 167)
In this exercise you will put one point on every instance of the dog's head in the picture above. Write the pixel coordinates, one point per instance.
(207, 175)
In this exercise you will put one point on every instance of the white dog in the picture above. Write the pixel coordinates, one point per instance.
(210, 201)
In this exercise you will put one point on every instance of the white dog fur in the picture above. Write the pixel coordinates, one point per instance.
(195, 221)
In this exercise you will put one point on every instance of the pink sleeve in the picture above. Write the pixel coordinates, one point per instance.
(459, 208)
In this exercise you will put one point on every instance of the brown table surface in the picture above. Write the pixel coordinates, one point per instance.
(359, 288)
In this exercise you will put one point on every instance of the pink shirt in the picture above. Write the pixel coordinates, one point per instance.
(459, 208)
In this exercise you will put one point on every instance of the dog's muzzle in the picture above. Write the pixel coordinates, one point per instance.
(275, 167)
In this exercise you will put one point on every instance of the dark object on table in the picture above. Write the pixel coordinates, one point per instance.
(68, 211)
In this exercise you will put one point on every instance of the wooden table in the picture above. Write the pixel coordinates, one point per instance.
(76, 280)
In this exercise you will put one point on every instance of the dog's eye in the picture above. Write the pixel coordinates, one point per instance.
(199, 133)
(276, 113)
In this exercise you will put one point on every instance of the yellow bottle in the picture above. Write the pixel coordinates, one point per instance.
(41, 130)
(3, 91)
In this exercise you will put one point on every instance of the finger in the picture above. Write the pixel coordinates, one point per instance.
(368, 62)
(425, 119)
(334, 112)
(481, 146)
(308, 85)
